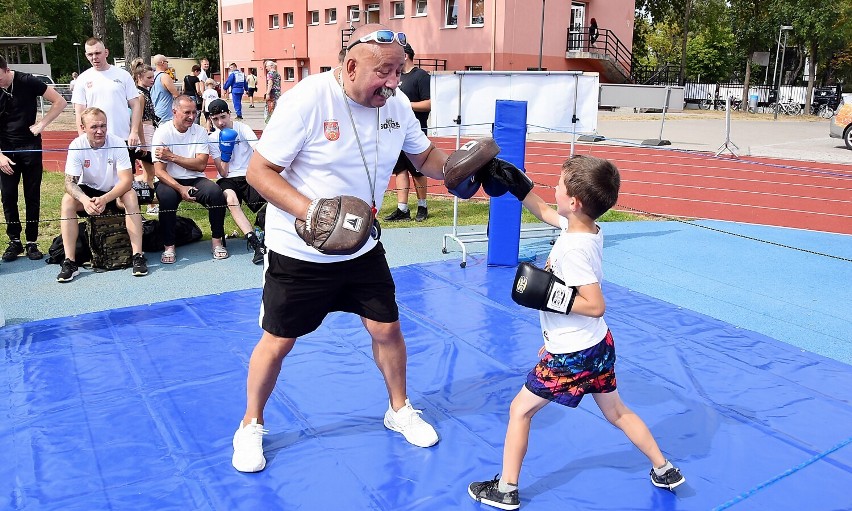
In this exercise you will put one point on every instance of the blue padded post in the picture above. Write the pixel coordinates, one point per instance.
(504, 217)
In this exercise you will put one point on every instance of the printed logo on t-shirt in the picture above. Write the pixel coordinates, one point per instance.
(331, 129)
(390, 125)
(89, 85)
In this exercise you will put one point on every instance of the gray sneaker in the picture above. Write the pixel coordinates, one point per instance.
(488, 493)
(670, 480)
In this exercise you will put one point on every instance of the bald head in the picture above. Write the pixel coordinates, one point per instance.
(371, 70)
(159, 61)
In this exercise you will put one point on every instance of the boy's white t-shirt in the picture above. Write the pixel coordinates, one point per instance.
(97, 168)
(188, 144)
(577, 259)
(110, 91)
(243, 149)
(310, 134)
(208, 95)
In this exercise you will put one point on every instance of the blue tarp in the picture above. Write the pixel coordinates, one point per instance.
(134, 409)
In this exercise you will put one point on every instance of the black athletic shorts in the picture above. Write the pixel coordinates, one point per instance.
(403, 164)
(245, 192)
(94, 192)
(297, 295)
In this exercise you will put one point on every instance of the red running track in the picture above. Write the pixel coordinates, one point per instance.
(784, 193)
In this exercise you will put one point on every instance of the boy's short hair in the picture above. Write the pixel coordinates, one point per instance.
(594, 181)
(210, 82)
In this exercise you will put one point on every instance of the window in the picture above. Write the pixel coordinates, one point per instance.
(288, 19)
(323, 69)
(477, 13)
(226, 26)
(398, 9)
(354, 13)
(314, 16)
(473, 68)
(289, 72)
(372, 13)
(250, 24)
(420, 8)
(273, 21)
(240, 26)
(451, 13)
(331, 15)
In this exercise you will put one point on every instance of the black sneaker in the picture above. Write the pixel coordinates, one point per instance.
(398, 215)
(12, 252)
(487, 493)
(68, 272)
(670, 480)
(140, 265)
(422, 214)
(255, 244)
(33, 252)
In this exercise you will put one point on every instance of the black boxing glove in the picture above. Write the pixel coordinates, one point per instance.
(499, 176)
(336, 226)
(542, 290)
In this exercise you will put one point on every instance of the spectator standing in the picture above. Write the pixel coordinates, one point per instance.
(163, 91)
(593, 32)
(273, 88)
(205, 70)
(236, 85)
(19, 131)
(143, 75)
(415, 83)
(192, 87)
(73, 81)
(251, 87)
(209, 95)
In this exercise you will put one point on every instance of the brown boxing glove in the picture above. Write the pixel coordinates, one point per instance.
(337, 226)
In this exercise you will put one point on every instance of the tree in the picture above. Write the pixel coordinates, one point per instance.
(99, 18)
(752, 26)
(135, 19)
(186, 28)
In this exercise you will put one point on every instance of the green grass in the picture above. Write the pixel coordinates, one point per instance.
(471, 212)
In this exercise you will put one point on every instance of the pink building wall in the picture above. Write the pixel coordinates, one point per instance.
(508, 39)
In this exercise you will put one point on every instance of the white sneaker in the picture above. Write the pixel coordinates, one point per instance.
(248, 447)
(152, 210)
(408, 422)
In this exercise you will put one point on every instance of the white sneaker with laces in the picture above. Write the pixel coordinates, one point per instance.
(248, 447)
(408, 422)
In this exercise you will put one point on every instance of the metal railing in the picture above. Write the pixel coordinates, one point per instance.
(431, 64)
(606, 43)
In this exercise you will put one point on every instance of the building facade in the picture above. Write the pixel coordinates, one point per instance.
(305, 36)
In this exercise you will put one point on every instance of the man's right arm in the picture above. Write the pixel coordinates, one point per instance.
(169, 84)
(78, 111)
(264, 176)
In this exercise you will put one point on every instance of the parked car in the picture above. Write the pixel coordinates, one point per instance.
(841, 123)
(64, 90)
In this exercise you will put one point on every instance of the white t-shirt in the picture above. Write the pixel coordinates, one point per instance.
(110, 91)
(188, 144)
(97, 168)
(243, 149)
(310, 134)
(208, 95)
(576, 258)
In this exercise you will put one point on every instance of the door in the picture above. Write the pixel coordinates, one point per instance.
(578, 20)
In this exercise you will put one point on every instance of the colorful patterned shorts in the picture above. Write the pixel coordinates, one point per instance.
(565, 378)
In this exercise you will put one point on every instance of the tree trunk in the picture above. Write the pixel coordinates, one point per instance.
(746, 81)
(145, 35)
(98, 8)
(811, 76)
(686, 16)
(131, 42)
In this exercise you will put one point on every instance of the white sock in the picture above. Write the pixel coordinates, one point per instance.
(421, 203)
(504, 487)
(402, 206)
(665, 468)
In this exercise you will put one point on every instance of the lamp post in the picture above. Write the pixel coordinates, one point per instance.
(781, 31)
(541, 40)
(77, 49)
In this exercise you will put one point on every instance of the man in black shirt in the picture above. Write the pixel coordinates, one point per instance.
(20, 153)
(414, 82)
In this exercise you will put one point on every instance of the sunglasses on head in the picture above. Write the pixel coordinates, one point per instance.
(381, 37)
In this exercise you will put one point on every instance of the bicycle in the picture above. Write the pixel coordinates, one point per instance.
(824, 110)
(719, 104)
(787, 107)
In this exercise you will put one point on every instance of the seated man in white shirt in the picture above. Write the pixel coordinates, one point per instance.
(231, 157)
(180, 158)
(97, 174)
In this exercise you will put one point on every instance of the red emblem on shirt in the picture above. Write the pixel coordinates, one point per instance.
(332, 130)
(87, 163)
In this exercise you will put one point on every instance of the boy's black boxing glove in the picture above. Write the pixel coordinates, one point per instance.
(542, 290)
(336, 226)
(500, 176)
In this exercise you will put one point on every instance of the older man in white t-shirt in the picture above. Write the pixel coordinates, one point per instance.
(97, 175)
(113, 90)
(180, 158)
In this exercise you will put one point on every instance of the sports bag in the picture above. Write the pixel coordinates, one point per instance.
(109, 241)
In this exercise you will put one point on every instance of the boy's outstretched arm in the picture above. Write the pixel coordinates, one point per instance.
(541, 209)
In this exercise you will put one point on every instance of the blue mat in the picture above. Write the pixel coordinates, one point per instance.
(134, 409)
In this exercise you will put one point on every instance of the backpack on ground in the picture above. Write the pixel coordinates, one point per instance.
(56, 252)
(109, 241)
(186, 231)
